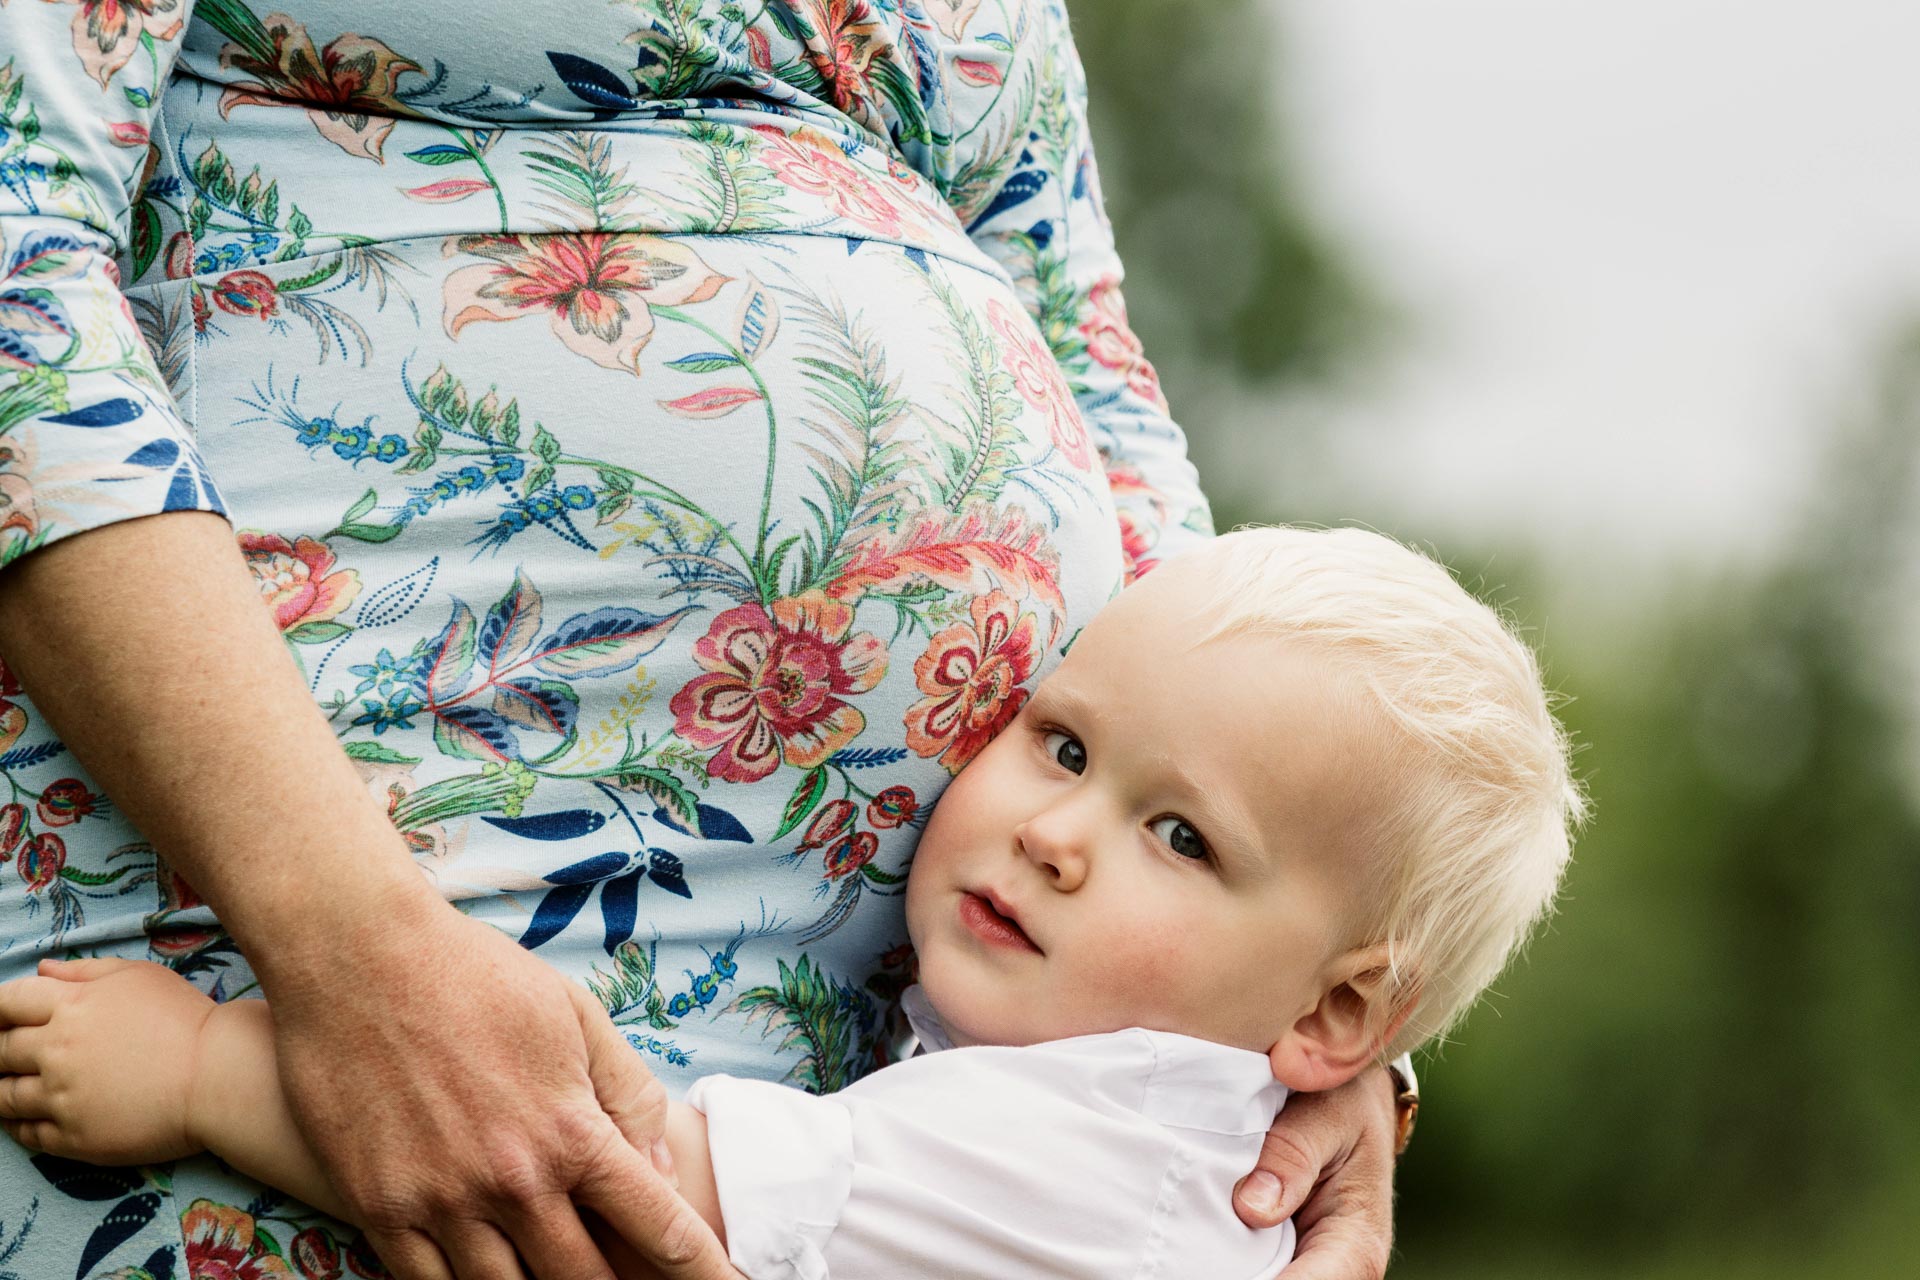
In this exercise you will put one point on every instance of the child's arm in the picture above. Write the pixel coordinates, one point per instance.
(130, 1064)
(124, 1062)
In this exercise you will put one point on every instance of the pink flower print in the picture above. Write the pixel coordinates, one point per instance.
(296, 579)
(894, 807)
(1112, 343)
(65, 802)
(851, 854)
(1036, 375)
(833, 821)
(41, 860)
(972, 674)
(347, 88)
(13, 819)
(593, 287)
(246, 293)
(847, 37)
(809, 161)
(775, 686)
(107, 32)
(223, 1244)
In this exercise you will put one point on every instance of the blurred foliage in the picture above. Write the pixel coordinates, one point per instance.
(1227, 274)
(1711, 1055)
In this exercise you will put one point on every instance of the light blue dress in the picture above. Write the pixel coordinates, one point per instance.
(673, 436)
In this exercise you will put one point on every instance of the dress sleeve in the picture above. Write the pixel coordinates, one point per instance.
(89, 433)
(783, 1165)
(1047, 226)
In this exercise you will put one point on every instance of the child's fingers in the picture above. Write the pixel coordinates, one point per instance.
(30, 1002)
(23, 1098)
(35, 1135)
(84, 970)
(22, 1050)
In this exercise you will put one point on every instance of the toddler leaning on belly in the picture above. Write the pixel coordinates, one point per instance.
(1288, 806)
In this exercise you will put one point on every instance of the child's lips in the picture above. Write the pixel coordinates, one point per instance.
(989, 918)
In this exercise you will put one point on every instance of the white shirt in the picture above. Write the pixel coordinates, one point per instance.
(1104, 1157)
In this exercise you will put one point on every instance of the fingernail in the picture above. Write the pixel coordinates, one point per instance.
(1262, 1192)
(663, 1159)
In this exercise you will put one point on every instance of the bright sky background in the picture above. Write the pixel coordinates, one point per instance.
(1646, 248)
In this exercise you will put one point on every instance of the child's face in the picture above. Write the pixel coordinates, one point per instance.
(1165, 837)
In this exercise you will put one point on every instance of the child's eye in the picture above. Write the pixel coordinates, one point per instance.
(1066, 749)
(1180, 837)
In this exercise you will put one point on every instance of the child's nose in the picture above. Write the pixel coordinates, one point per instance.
(1055, 842)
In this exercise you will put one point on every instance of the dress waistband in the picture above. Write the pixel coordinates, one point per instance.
(247, 197)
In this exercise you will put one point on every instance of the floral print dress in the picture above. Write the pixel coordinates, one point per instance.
(672, 435)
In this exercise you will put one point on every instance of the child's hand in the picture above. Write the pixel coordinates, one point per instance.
(98, 1060)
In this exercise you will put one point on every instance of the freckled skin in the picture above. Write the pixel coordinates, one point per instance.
(1281, 758)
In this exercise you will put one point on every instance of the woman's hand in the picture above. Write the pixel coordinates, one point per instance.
(1328, 1163)
(465, 1098)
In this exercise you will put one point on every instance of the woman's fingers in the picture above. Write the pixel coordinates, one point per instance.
(23, 1098)
(1339, 1248)
(409, 1255)
(554, 1243)
(478, 1252)
(638, 1205)
(1328, 1164)
(30, 1002)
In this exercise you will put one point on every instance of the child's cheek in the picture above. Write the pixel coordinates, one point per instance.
(1152, 967)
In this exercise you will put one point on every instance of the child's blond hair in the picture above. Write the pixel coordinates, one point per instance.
(1477, 836)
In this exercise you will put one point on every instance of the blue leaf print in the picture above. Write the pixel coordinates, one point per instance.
(33, 311)
(474, 733)
(511, 624)
(1041, 233)
(1020, 188)
(37, 247)
(555, 912)
(15, 350)
(184, 493)
(161, 453)
(753, 322)
(588, 870)
(159, 1263)
(715, 824)
(620, 907)
(86, 1182)
(22, 757)
(668, 872)
(592, 83)
(546, 706)
(604, 641)
(565, 824)
(119, 1226)
(440, 153)
(867, 757)
(108, 413)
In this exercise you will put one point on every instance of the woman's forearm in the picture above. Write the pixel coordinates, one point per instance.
(146, 646)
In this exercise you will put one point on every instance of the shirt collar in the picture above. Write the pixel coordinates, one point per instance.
(926, 1024)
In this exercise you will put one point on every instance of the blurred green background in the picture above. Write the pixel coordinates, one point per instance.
(1707, 1065)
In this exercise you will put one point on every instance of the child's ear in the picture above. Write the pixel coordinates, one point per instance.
(1360, 1011)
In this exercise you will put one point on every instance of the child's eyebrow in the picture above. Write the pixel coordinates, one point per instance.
(1223, 821)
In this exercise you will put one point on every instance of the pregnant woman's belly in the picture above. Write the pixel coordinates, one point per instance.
(657, 581)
